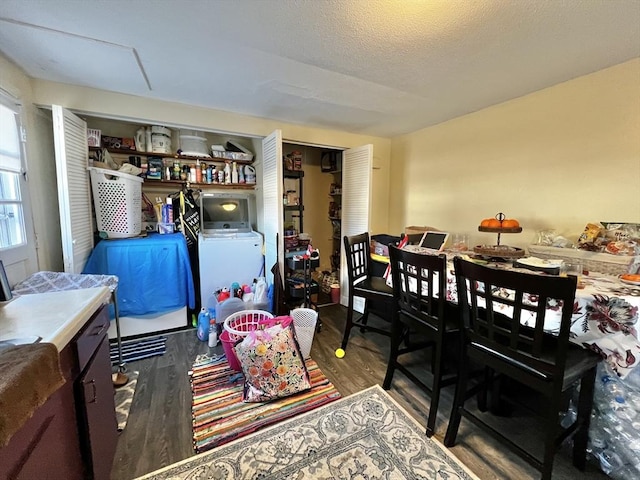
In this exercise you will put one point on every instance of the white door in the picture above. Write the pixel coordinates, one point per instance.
(272, 202)
(74, 188)
(357, 164)
(17, 235)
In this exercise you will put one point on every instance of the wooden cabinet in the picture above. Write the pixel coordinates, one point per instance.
(95, 405)
(74, 434)
(96, 412)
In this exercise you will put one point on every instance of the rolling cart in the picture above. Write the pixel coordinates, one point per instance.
(300, 286)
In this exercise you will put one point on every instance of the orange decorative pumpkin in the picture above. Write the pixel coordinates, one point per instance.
(510, 223)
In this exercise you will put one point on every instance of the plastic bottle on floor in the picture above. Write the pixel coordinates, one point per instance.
(213, 333)
(203, 325)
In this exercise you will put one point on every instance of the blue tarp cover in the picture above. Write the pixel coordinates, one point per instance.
(154, 272)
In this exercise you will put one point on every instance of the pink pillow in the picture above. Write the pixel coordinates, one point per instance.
(272, 364)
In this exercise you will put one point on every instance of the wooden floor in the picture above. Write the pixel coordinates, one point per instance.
(158, 432)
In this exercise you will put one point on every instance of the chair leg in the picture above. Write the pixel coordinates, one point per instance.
(551, 430)
(435, 390)
(458, 403)
(365, 316)
(349, 324)
(396, 339)
(585, 404)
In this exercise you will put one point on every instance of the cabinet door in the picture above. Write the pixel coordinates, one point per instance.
(272, 207)
(99, 430)
(357, 164)
(74, 190)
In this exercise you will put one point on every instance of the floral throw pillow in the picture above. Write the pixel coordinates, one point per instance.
(272, 364)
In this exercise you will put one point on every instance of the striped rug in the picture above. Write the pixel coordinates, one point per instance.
(133, 350)
(220, 415)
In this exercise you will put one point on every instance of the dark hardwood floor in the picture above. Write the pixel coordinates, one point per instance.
(158, 432)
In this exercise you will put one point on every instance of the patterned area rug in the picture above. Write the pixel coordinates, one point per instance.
(123, 399)
(220, 415)
(365, 435)
(133, 350)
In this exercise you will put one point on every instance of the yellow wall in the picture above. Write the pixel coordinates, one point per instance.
(555, 159)
(82, 99)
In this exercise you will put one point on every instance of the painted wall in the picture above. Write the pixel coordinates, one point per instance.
(114, 105)
(555, 159)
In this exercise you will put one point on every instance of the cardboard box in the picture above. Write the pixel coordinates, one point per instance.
(118, 143)
(413, 230)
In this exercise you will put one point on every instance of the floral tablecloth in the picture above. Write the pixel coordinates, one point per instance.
(605, 318)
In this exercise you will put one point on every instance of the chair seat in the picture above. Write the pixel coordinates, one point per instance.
(375, 286)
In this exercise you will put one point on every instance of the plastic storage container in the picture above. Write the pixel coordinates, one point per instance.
(117, 199)
(193, 143)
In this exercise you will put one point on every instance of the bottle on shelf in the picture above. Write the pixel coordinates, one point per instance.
(234, 173)
(227, 173)
(204, 172)
(198, 172)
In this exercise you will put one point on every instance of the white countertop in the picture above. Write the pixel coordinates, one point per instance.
(54, 316)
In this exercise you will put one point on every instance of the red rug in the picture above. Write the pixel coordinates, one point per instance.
(220, 415)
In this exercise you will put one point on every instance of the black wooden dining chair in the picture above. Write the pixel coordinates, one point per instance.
(419, 289)
(362, 284)
(502, 325)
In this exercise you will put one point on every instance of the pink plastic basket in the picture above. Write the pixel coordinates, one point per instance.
(236, 327)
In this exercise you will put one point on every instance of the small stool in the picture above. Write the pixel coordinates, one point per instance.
(43, 282)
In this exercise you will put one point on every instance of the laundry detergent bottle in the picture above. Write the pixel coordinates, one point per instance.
(203, 325)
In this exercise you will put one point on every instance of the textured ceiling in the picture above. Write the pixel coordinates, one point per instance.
(379, 67)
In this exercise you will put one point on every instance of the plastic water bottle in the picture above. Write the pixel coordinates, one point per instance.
(213, 333)
(203, 325)
(212, 302)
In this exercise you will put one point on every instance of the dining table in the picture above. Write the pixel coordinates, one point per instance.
(605, 312)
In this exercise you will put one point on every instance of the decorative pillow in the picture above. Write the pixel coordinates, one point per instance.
(272, 364)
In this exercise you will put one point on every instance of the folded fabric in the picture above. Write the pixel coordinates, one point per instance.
(272, 364)
(30, 374)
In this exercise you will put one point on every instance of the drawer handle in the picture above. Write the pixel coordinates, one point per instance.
(99, 329)
(95, 391)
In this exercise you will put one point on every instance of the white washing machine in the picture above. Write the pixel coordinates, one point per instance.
(228, 249)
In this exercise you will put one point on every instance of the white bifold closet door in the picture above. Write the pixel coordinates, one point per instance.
(74, 188)
(272, 208)
(357, 165)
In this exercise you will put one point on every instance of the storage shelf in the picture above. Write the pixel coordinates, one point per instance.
(293, 208)
(235, 186)
(293, 173)
(186, 158)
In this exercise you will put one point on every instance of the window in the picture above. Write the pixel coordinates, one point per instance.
(12, 226)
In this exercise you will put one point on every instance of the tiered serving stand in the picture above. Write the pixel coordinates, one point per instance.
(498, 251)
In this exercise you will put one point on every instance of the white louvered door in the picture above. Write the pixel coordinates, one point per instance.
(272, 202)
(74, 189)
(357, 164)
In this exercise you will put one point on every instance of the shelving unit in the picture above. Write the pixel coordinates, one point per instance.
(300, 285)
(184, 160)
(335, 217)
(294, 214)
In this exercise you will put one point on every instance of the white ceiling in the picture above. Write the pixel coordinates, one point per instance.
(379, 67)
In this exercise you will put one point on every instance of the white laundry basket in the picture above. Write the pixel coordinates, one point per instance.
(117, 198)
(304, 323)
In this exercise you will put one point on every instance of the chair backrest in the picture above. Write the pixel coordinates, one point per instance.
(357, 250)
(504, 312)
(419, 284)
